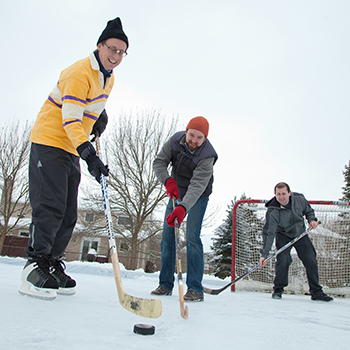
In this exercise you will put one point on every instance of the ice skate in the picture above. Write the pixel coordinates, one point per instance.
(37, 281)
(66, 283)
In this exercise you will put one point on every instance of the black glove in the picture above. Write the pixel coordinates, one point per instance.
(100, 125)
(95, 166)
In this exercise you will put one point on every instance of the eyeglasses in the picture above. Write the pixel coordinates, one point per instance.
(114, 51)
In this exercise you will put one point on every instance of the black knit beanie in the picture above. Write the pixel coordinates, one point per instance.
(114, 29)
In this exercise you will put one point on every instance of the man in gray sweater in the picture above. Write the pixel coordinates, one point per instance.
(192, 157)
(285, 221)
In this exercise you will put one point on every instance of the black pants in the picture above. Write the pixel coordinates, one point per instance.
(306, 253)
(54, 177)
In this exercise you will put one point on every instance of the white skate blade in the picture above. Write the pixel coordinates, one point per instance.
(38, 293)
(66, 291)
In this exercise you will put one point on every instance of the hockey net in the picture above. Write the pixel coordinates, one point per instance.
(331, 240)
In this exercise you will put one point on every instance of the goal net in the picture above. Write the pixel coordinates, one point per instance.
(331, 240)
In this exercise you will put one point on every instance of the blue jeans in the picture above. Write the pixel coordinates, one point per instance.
(195, 264)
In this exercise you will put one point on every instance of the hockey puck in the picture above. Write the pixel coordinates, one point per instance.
(144, 329)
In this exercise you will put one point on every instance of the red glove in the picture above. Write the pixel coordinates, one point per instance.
(179, 212)
(171, 188)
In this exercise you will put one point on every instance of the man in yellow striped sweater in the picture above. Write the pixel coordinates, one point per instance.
(73, 111)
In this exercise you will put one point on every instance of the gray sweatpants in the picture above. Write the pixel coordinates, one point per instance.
(54, 177)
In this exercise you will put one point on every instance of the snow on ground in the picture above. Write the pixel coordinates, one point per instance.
(93, 319)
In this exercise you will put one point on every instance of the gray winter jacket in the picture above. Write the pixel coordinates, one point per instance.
(285, 221)
(193, 171)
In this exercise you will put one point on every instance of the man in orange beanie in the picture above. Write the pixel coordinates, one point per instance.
(192, 158)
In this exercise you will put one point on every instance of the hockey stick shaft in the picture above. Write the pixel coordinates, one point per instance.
(151, 308)
(218, 291)
(183, 308)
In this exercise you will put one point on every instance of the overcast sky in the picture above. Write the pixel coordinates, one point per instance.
(271, 77)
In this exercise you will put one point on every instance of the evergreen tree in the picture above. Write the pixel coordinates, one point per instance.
(222, 244)
(346, 188)
(344, 217)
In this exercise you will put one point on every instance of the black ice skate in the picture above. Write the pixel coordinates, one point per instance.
(66, 283)
(36, 279)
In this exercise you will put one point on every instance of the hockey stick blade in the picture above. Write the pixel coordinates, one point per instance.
(183, 308)
(218, 291)
(151, 308)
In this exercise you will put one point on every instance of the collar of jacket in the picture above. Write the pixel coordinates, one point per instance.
(274, 204)
(105, 72)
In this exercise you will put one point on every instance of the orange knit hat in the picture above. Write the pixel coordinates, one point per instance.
(200, 124)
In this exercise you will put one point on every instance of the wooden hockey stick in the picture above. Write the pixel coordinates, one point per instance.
(218, 291)
(183, 309)
(151, 308)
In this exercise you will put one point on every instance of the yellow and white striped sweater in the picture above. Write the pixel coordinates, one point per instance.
(68, 115)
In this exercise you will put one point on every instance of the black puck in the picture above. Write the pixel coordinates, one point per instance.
(144, 329)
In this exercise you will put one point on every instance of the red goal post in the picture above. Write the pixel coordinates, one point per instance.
(331, 240)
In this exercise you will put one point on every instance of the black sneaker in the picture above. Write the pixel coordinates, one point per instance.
(321, 297)
(161, 291)
(277, 294)
(37, 280)
(191, 295)
(65, 282)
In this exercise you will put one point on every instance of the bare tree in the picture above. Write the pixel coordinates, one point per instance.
(134, 191)
(14, 154)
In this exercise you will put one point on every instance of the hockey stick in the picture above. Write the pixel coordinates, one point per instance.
(183, 309)
(151, 308)
(218, 291)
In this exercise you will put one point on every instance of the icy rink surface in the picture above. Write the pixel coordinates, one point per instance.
(93, 319)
